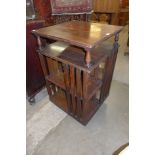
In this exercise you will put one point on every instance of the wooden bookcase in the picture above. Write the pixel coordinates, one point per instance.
(78, 65)
(71, 85)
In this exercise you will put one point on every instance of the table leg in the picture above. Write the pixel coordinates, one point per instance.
(88, 58)
(39, 42)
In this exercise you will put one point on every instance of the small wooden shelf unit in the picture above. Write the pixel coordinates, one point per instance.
(78, 65)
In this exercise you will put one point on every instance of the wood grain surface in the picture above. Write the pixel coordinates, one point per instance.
(82, 34)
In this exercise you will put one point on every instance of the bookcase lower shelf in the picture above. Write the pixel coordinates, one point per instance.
(60, 100)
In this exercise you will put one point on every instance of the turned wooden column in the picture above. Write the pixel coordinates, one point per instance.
(88, 57)
(39, 42)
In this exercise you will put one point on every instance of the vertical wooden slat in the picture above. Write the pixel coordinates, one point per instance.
(112, 61)
(85, 84)
(96, 73)
(52, 65)
(112, 64)
(104, 80)
(72, 88)
(51, 69)
(55, 66)
(78, 91)
(46, 72)
(55, 70)
(43, 64)
(85, 105)
(67, 84)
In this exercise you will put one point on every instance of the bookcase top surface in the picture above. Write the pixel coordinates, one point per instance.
(79, 33)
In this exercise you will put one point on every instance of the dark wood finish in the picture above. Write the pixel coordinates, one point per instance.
(85, 94)
(34, 75)
(79, 92)
(79, 85)
(79, 33)
(72, 89)
(67, 85)
(88, 58)
(79, 88)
